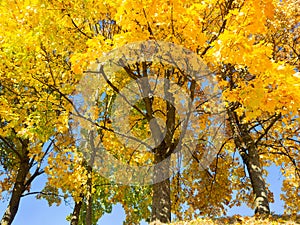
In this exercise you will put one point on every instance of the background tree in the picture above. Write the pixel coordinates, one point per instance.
(35, 78)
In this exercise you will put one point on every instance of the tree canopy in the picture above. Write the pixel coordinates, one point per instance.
(167, 107)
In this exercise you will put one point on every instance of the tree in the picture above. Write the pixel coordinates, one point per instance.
(35, 77)
(230, 36)
(251, 48)
(253, 120)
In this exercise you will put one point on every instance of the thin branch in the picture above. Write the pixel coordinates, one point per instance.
(11, 147)
(75, 25)
(43, 193)
(118, 91)
(268, 128)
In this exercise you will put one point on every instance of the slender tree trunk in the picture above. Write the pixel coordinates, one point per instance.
(89, 196)
(161, 200)
(255, 172)
(18, 189)
(249, 154)
(89, 208)
(76, 212)
(257, 181)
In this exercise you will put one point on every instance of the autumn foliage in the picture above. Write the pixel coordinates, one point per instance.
(48, 48)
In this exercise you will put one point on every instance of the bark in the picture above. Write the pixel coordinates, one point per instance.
(258, 183)
(161, 200)
(89, 197)
(249, 154)
(89, 209)
(18, 189)
(76, 213)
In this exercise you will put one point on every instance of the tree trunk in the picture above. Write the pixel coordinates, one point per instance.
(89, 197)
(89, 209)
(161, 200)
(258, 183)
(76, 213)
(249, 154)
(18, 189)
(255, 172)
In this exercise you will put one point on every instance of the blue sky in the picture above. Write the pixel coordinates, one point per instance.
(37, 212)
